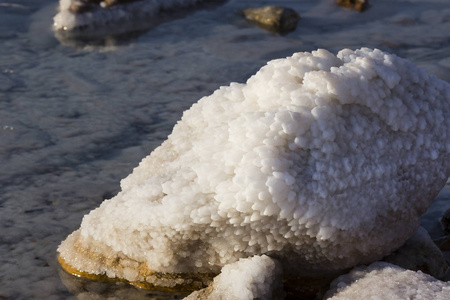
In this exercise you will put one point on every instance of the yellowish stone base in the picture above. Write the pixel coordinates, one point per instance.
(191, 281)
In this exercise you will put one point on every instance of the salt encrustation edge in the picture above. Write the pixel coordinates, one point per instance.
(315, 160)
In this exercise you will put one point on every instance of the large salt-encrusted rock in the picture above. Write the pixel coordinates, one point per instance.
(320, 161)
(383, 281)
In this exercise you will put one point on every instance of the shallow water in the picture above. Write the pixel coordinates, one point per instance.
(77, 118)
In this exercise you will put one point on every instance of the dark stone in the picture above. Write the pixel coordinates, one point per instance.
(115, 2)
(443, 243)
(92, 1)
(445, 221)
(274, 18)
(79, 7)
(359, 5)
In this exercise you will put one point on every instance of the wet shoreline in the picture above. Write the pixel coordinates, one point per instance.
(75, 121)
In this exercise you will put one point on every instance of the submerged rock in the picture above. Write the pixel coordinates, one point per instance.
(322, 162)
(274, 18)
(445, 221)
(359, 5)
(385, 281)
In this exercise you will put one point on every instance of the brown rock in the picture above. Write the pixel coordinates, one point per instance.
(274, 18)
(359, 5)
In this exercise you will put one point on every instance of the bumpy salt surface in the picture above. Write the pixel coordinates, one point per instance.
(247, 279)
(321, 161)
(120, 15)
(385, 281)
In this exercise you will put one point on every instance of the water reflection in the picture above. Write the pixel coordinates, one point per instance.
(87, 289)
(122, 33)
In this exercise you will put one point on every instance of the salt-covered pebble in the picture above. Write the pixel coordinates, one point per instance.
(384, 281)
(320, 161)
(258, 277)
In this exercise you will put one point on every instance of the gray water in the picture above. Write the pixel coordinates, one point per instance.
(76, 118)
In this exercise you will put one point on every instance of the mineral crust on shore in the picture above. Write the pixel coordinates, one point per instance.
(313, 162)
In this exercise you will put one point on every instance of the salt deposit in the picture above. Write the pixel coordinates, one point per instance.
(385, 281)
(313, 161)
(121, 15)
(257, 277)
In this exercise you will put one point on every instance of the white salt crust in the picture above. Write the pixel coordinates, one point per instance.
(383, 281)
(116, 14)
(247, 279)
(321, 161)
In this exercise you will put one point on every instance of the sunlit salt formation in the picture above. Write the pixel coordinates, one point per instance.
(258, 277)
(320, 161)
(97, 14)
(385, 281)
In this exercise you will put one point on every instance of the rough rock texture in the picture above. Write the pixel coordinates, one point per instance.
(420, 253)
(275, 18)
(258, 277)
(384, 281)
(320, 161)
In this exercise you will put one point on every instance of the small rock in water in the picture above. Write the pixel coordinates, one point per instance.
(420, 253)
(79, 7)
(359, 5)
(275, 18)
(445, 221)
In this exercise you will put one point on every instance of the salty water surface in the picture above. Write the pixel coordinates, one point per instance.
(76, 118)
